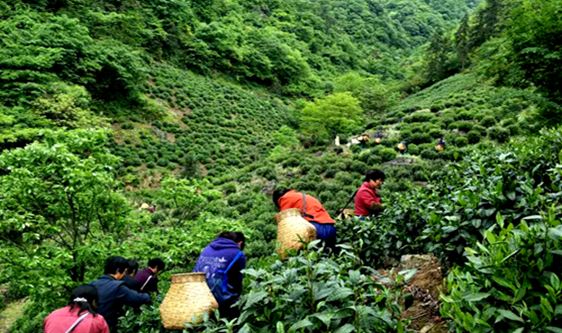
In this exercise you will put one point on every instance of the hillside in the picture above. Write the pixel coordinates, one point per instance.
(202, 108)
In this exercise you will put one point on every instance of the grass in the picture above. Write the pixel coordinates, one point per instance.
(10, 314)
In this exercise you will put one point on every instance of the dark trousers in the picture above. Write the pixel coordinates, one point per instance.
(327, 233)
(229, 312)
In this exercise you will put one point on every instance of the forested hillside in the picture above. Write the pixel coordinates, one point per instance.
(201, 108)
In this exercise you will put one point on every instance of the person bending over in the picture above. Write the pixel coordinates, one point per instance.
(311, 210)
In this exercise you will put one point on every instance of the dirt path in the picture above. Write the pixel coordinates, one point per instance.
(10, 314)
(424, 287)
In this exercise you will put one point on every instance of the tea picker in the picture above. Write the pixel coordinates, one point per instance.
(440, 145)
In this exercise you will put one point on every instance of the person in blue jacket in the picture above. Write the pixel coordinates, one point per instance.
(225, 253)
(113, 294)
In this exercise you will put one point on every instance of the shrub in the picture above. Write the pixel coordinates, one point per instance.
(499, 134)
(421, 117)
(429, 154)
(326, 196)
(461, 125)
(419, 137)
(447, 120)
(307, 291)
(464, 115)
(435, 133)
(460, 141)
(488, 121)
(374, 159)
(413, 149)
(508, 283)
(127, 126)
(344, 178)
(386, 154)
(473, 136)
(163, 162)
(356, 149)
(513, 129)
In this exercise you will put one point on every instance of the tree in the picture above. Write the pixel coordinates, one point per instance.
(438, 65)
(461, 42)
(535, 29)
(59, 197)
(337, 114)
(185, 198)
(488, 23)
(374, 96)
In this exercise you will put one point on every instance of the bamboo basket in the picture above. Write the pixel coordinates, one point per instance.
(187, 300)
(292, 229)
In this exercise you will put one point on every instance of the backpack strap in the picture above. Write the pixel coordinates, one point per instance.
(224, 283)
(303, 211)
(238, 255)
(145, 282)
(78, 321)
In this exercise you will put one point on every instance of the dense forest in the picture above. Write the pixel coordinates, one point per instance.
(202, 108)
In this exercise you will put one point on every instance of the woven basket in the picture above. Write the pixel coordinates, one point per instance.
(292, 229)
(187, 300)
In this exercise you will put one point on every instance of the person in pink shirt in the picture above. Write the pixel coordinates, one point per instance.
(367, 200)
(79, 316)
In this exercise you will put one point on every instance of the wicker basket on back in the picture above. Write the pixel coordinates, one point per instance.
(187, 300)
(292, 229)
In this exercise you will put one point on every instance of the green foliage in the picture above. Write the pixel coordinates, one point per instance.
(473, 137)
(310, 293)
(337, 114)
(451, 213)
(386, 154)
(41, 48)
(373, 96)
(205, 150)
(59, 209)
(498, 133)
(60, 194)
(509, 283)
(183, 198)
(534, 47)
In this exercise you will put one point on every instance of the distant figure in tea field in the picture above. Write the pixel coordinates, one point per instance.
(222, 262)
(311, 210)
(79, 316)
(148, 277)
(114, 294)
(367, 200)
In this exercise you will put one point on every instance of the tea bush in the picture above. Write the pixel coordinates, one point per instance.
(510, 282)
(311, 293)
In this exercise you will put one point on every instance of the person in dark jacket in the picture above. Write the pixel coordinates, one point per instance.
(148, 277)
(113, 294)
(129, 278)
(217, 256)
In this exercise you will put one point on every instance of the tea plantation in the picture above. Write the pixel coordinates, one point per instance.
(202, 108)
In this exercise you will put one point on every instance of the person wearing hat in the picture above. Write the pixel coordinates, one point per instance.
(79, 316)
(367, 200)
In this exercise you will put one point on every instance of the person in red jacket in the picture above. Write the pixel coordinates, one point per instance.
(367, 200)
(79, 316)
(312, 210)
